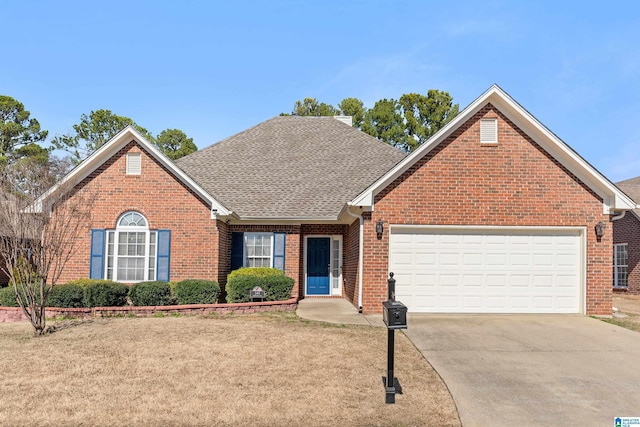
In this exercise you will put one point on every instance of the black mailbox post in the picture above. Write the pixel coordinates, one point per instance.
(394, 315)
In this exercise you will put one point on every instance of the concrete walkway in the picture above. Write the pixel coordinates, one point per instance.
(335, 310)
(532, 370)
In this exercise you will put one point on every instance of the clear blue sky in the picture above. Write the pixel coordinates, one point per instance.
(214, 69)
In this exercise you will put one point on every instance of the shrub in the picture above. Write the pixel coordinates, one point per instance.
(86, 282)
(151, 293)
(193, 291)
(277, 288)
(255, 272)
(105, 293)
(68, 295)
(276, 285)
(8, 297)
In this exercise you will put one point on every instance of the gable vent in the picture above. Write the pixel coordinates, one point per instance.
(134, 164)
(489, 131)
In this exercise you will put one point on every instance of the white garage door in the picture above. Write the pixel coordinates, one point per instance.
(497, 270)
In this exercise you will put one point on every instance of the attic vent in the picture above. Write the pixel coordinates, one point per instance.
(489, 131)
(134, 164)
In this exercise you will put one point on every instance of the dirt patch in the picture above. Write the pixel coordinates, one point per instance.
(259, 370)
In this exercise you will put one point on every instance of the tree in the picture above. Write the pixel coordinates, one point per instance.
(385, 122)
(355, 108)
(38, 236)
(405, 123)
(175, 144)
(311, 107)
(425, 115)
(17, 128)
(93, 132)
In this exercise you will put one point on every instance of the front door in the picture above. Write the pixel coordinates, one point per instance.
(318, 263)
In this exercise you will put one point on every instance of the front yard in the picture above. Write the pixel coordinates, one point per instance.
(259, 370)
(628, 312)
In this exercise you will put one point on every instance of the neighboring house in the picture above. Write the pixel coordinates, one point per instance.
(494, 214)
(626, 243)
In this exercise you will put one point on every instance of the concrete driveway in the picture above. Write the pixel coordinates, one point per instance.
(527, 370)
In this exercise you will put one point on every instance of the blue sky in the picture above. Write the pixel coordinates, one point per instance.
(214, 69)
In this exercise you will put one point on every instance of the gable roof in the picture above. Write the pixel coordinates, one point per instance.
(613, 198)
(110, 148)
(291, 167)
(631, 187)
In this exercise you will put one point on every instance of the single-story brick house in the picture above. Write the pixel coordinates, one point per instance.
(493, 214)
(626, 243)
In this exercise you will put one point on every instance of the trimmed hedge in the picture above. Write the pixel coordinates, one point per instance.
(151, 294)
(276, 285)
(255, 272)
(69, 295)
(105, 293)
(8, 297)
(195, 291)
(86, 282)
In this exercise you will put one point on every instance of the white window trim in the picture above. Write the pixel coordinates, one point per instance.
(616, 265)
(116, 235)
(245, 255)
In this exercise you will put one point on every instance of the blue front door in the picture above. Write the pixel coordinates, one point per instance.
(318, 265)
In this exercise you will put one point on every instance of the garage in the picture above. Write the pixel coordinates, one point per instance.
(488, 269)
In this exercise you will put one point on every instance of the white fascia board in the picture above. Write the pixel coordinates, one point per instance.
(613, 198)
(115, 144)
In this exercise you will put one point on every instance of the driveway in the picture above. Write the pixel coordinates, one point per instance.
(516, 370)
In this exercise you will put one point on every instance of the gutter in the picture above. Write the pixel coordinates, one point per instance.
(360, 255)
(617, 217)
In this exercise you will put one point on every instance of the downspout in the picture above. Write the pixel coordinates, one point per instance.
(360, 256)
(614, 218)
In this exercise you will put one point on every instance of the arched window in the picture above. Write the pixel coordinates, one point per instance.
(131, 250)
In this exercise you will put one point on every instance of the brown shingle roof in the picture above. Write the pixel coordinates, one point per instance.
(631, 187)
(291, 167)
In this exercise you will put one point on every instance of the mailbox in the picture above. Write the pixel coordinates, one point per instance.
(394, 314)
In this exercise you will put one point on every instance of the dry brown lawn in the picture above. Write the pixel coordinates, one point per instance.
(628, 315)
(258, 370)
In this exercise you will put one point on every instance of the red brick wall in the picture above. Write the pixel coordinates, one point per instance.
(627, 230)
(462, 182)
(292, 251)
(350, 272)
(165, 203)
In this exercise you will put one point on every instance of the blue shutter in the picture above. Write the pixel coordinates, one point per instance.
(279, 250)
(237, 250)
(96, 264)
(164, 255)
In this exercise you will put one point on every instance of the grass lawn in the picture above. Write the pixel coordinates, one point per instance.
(628, 312)
(258, 370)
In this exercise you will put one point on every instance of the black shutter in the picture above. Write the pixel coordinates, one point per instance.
(237, 250)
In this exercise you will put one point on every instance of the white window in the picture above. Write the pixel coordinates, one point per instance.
(257, 249)
(134, 164)
(620, 265)
(131, 250)
(489, 131)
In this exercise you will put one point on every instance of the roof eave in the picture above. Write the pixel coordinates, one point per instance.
(110, 148)
(613, 198)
